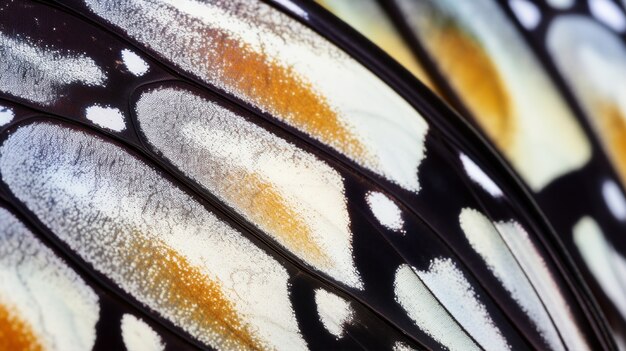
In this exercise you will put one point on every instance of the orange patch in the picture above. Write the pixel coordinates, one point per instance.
(266, 206)
(280, 90)
(612, 125)
(16, 334)
(475, 78)
(167, 277)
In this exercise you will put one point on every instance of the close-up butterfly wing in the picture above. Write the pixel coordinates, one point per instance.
(541, 80)
(257, 175)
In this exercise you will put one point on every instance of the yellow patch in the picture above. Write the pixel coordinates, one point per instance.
(280, 90)
(475, 78)
(267, 206)
(612, 125)
(166, 276)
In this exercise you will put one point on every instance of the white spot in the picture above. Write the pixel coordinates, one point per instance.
(107, 203)
(39, 74)
(334, 312)
(481, 178)
(134, 63)
(6, 115)
(40, 289)
(488, 243)
(604, 262)
(139, 336)
(428, 313)
(614, 198)
(219, 149)
(386, 211)
(400, 346)
(561, 4)
(609, 13)
(526, 12)
(389, 130)
(106, 117)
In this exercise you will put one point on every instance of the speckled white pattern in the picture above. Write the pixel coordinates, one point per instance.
(61, 309)
(449, 285)
(112, 210)
(334, 312)
(134, 63)
(486, 240)
(390, 131)
(139, 336)
(39, 73)
(106, 117)
(225, 153)
(533, 264)
(428, 313)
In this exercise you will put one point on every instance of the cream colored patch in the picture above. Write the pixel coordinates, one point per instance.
(592, 59)
(44, 304)
(535, 268)
(290, 194)
(254, 52)
(500, 80)
(39, 73)
(449, 285)
(153, 240)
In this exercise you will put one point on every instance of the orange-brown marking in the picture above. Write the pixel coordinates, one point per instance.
(475, 78)
(166, 276)
(266, 206)
(279, 90)
(16, 334)
(612, 125)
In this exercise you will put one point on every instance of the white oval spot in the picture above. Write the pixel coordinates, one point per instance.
(481, 178)
(6, 115)
(614, 199)
(526, 12)
(560, 4)
(138, 336)
(334, 312)
(386, 211)
(106, 117)
(604, 262)
(608, 13)
(135, 64)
